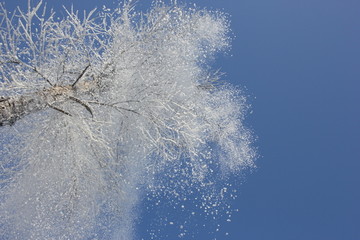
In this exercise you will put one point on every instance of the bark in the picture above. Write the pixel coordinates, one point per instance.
(13, 108)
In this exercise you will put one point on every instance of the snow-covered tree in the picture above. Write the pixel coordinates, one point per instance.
(95, 107)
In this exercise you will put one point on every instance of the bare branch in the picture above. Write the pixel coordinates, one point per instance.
(83, 104)
(80, 76)
(60, 110)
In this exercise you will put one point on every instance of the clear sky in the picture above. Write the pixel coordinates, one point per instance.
(300, 64)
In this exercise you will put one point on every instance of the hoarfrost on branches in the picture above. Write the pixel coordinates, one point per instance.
(96, 108)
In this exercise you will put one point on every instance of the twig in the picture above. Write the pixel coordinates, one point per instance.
(115, 107)
(83, 104)
(80, 76)
(41, 75)
(28, 66)
(60, 110)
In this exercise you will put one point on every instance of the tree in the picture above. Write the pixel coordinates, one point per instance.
(95, 107)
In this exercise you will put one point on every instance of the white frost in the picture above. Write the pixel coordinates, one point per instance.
(141, 100)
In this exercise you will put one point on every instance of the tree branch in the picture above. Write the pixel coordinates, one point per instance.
(80, 76)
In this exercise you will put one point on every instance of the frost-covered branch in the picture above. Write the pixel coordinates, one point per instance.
(93, 108)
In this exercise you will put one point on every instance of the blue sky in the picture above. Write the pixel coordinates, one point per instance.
(300, 59)
(300, 64)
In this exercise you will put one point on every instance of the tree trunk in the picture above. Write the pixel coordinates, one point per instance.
(13, 108)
